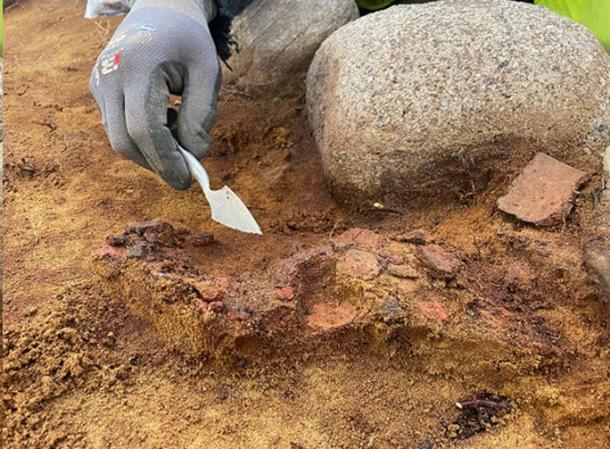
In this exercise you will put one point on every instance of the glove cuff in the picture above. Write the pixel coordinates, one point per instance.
(202, 11)
(218, 15)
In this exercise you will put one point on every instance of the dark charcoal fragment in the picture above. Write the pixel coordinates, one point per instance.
(478, 414)
(201, 239)
(120, 240)
(145, 251)
(150, 239)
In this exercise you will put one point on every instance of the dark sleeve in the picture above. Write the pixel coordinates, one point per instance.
(220, 26)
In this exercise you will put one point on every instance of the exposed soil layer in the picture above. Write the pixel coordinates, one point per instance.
(133, 321)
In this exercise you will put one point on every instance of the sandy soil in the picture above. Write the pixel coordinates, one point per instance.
(95, 349)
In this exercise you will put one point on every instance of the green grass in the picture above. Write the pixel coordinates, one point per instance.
(372, 5)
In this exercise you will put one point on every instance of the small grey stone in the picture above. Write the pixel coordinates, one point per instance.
(135, 252)
(597, 258)
(392, 311)
(597, 247)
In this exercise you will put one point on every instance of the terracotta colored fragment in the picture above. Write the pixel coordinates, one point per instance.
(209, 291)
(201, 306)
(438, 259)
(519, 274)
(433, 310)
(359, 264)
(222, 282)
(285, 293)
(542, 194)
(216, 306)
(392, 257)
(330, 316)
(107, 250)
(359, 237)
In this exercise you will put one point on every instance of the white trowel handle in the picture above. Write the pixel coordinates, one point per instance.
(196, 169)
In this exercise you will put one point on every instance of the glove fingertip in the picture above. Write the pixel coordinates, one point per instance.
(178, 179)
(197, 143)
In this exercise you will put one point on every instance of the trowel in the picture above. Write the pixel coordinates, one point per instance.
(227, 208)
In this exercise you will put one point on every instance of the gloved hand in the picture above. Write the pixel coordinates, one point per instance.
(161, 47)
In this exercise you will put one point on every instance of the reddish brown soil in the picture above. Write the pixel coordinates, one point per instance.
(318, 339)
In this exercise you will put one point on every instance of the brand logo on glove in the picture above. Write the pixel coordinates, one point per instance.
(110, 61)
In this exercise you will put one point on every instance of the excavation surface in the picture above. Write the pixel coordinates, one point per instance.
(133, 321)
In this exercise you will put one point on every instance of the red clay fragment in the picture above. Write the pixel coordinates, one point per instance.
(392, 257)
(201, 306)
(222, 282)
(542, 194)
(107, 250)
(519, 274)
(216, 306)
(359, 264)
(209, 292)
(433, 310)
(285, 293)
(438, 259)
(359, 237)
(331, 316)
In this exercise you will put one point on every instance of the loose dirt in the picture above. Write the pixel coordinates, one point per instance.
(133, 321)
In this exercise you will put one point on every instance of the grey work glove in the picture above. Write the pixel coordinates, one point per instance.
(161, 47)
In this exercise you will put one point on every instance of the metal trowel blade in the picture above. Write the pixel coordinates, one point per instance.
(229, 210)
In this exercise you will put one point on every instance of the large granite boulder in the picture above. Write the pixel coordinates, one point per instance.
(277, 40)
(420, 100)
